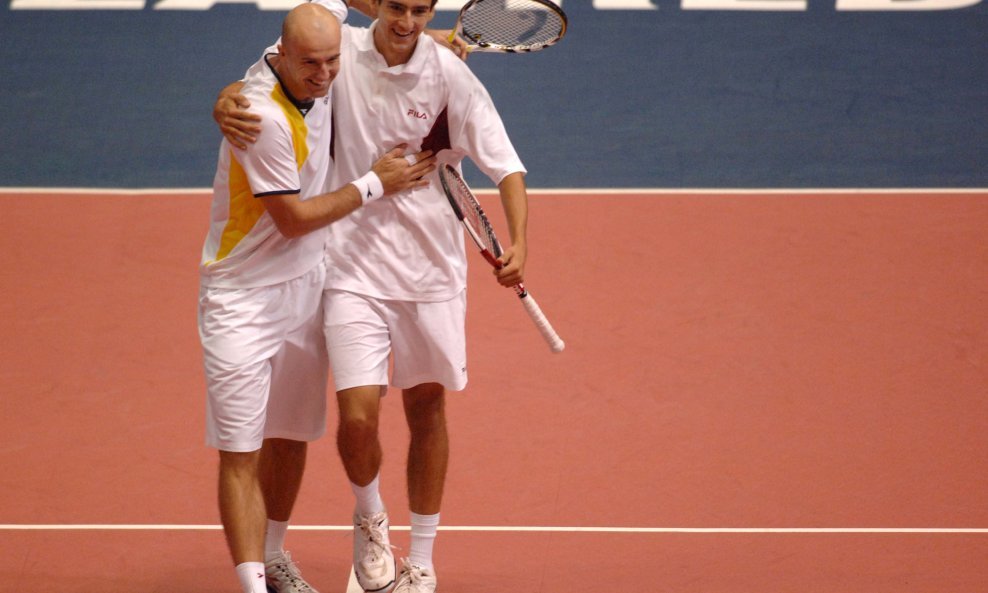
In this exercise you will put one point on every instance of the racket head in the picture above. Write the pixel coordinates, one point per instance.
(467, 209)
(511, 25)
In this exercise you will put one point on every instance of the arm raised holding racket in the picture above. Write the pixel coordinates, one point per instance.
(445, 37)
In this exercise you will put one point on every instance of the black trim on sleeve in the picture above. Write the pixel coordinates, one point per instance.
(278, 192)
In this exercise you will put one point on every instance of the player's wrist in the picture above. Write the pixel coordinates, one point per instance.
(369, 186)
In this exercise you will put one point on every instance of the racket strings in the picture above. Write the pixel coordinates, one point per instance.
(475, 217)
(512, 23)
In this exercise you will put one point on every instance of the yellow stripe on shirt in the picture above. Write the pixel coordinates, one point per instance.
(245, 209)
(296, 121)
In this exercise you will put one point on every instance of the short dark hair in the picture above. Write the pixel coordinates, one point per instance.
(432, 5)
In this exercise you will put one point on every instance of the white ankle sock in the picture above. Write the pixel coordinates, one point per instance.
(424, 528)
(251, 575)
(274, 538)
(368, 497)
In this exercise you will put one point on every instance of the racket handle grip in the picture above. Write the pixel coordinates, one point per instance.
(556, 343)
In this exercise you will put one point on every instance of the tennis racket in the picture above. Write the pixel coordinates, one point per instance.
(469, 212)
(509, 25)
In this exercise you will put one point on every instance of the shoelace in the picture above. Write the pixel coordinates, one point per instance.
(414, 572)
(288, 571)
(371, 526)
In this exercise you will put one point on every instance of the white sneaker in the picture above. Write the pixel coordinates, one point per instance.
(283, 576)
(373, 561)
(415, 579)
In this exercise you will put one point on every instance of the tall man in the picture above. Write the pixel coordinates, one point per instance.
(262, 275)
(396, 281)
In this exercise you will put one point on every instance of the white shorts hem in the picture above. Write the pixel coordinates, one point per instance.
(410, 382)
(233, 447)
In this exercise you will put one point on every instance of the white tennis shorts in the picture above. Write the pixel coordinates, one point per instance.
(426, 341)
(266, 363)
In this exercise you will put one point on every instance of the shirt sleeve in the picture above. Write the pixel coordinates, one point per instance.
(476, 129)
(269, 164)
(337, 7)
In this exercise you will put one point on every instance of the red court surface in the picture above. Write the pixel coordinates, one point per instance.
(761, 392)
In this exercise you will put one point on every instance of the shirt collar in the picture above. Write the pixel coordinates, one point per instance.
(302, 106)
(414, 66)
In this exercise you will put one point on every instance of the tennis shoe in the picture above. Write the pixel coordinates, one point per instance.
(373, 561)
(283, 576)
(415, 579)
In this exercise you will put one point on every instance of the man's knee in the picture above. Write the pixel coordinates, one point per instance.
(358, 428)
(281, 448)
(425, 407)
(235, 463)
(359, 412)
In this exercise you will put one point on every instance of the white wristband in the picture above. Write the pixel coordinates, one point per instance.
(369, 186)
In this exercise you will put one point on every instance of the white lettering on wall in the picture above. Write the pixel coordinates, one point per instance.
(207, 4)
(889, 5)
(764, 5)
(76, 4)
(454, 5)
(624, 5)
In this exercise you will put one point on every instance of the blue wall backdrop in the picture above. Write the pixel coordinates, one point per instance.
(666, 98)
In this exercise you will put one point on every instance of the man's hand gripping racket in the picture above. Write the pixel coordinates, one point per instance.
(469, 212)
(509, 26)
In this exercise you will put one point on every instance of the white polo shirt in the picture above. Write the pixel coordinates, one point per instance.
(243, 247)
(409, 246)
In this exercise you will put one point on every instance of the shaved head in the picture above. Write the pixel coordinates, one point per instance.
(309, 22)
(309, 52)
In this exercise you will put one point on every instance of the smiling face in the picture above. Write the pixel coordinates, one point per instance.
(309, 54)
(399, 24)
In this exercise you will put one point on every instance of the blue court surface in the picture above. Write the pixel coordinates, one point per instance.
(661, 94)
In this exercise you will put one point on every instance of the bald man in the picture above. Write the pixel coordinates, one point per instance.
(261, 282)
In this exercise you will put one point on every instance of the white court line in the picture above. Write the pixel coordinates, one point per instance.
(535, 191)
(518, 529)
(354, 587)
